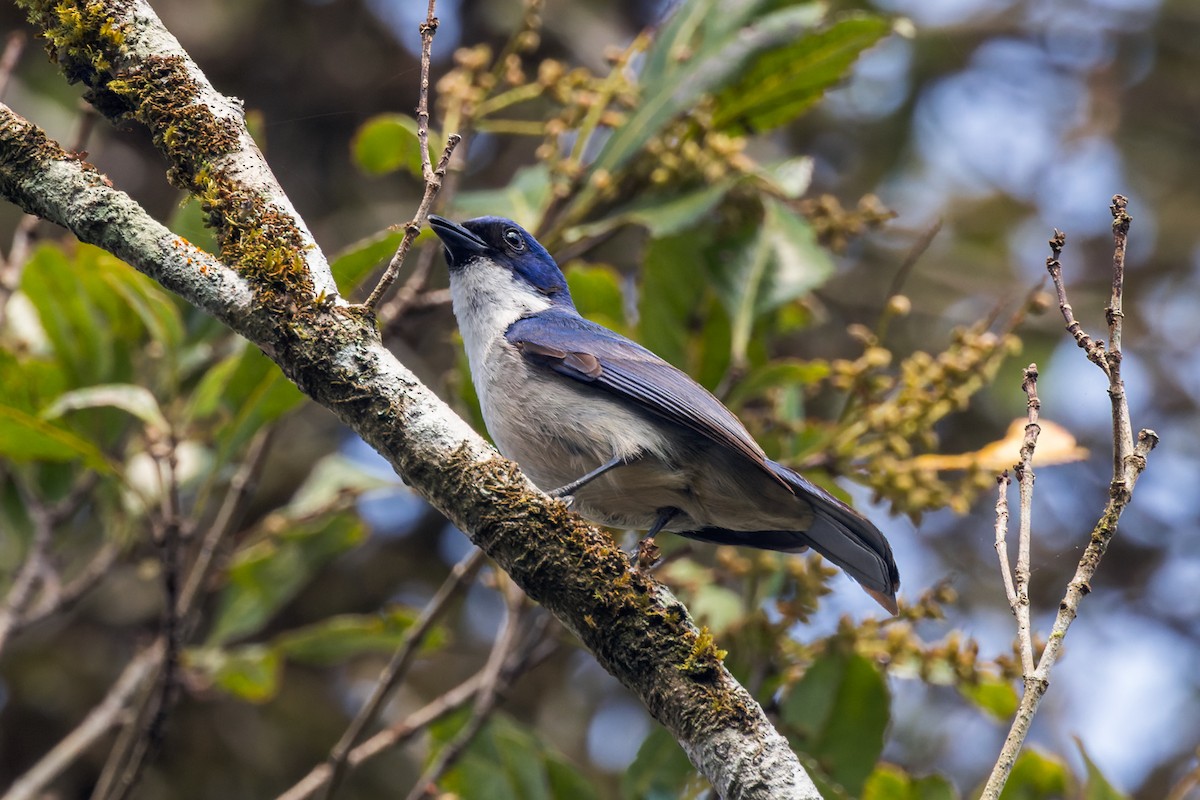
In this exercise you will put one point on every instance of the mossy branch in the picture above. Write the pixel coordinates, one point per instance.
(271, 286)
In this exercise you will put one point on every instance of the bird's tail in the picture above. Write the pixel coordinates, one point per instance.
(838, 532)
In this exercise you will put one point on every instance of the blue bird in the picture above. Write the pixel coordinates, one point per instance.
(634, 441)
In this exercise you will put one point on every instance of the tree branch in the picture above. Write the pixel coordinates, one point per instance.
(1128, 464)
(101, 718)
(276, 291)
(433, 178)
(401, 660)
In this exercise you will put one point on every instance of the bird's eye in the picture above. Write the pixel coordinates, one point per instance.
(514, 239)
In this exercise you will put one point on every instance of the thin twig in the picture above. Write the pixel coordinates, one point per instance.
(485, 700)
(918, 249)
(1025, 476)
(428, 30)
(1115, 316)
(1093, 348)
(1003, 481)
(1126, 471)
(67, 594)
(413, 227)
(166, 533)
(410, 291)
(227, 517)
(52, 595)
(433, 177)
(1184, 786)
(33, 568)
(110, 712)
(401, 660)
(14, 45)
(400, 732)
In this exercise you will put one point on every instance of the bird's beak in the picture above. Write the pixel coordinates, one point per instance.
(461, 244)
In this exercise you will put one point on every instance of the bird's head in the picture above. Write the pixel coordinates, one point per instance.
(499, 243)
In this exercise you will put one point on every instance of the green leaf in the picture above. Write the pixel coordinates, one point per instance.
(25, 438)
(83, 303)
(783, 82)
(72, 322)
(1036, 776)
(386, 143)
(675, 41)
(267, 574)
(888, 782)
(672, 287)
(661, 215)
(250, 672)
(660, 772)
(351, 266)
(338, 638)
(506, 762)
(596, 290)
(334, 478)
(247, 391)
(791, 177)
(777, 264)
(522, 200)
(28, 383)
(154, 306)
(136, 400)
(994, 695)
(838, 713)
(786, 372)
(716, 607)
(700, 50)
(1097, 786)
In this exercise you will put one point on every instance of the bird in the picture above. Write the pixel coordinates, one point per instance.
(631, 441)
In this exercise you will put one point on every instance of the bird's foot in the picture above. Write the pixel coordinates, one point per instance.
(648, 554)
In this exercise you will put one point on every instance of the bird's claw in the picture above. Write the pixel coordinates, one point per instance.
(648, 554)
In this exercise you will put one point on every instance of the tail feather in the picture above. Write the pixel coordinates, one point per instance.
(838, 532)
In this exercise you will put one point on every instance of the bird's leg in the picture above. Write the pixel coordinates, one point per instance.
(647, 551)
(576, 485)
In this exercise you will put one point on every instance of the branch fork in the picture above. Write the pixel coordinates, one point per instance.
(1129, 461)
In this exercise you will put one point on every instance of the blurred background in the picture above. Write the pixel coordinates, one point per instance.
(1000, 119)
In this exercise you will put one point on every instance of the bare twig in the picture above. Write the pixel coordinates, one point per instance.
(433, 177)
(400, 732)
(401, 660)
(409, 293)
(110, 712)
(1003, 481)
(1024, 472)
(166, 533)
(1128, 464)
(413, 227)
(485, 700)
(64, 595)
(225, 522)
(14, 45)
(1093, 348)
(428, 29)
(1115, 315)
(37, 571)
(32, 570)
(918, 249)
(1190, 781)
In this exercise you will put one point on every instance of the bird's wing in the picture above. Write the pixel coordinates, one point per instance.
(562, 341)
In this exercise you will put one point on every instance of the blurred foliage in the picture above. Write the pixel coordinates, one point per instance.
(668, 148)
